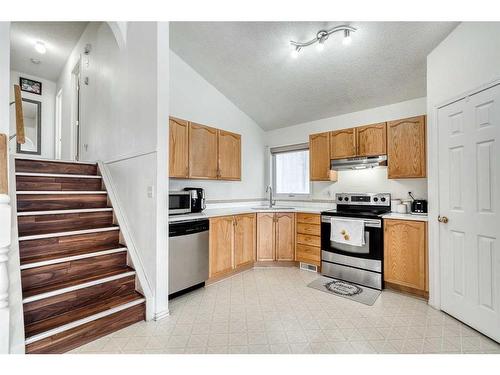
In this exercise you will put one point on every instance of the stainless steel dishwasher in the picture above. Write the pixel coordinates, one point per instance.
(187, 256)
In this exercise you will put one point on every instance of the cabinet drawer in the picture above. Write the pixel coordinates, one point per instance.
(306, 253)
(308, 218)
(308, 240)
(311, 229)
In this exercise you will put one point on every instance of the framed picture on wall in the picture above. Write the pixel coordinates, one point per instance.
(31, 86)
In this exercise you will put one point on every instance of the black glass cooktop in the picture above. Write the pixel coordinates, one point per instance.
(376, 213)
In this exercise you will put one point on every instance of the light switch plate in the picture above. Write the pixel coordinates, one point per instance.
(151, 191)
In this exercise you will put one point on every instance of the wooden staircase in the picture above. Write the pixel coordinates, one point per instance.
(76, 281)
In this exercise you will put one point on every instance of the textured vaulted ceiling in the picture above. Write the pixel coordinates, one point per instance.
(250, 63)
(59, 37)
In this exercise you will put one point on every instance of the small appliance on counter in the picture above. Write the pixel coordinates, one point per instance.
(179, 202)
(197, 199)
(418, 206)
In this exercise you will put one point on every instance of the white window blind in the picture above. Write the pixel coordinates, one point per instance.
(290, 170)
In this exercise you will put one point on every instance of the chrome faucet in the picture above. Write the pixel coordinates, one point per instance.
(270, 190)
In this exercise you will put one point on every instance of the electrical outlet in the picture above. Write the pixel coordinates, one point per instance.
(151, 191)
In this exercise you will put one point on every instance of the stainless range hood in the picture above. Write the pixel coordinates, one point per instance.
(362, 162)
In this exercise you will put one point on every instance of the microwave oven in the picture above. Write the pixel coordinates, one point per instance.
(179, 202)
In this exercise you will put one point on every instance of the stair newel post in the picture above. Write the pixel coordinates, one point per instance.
(5, 233)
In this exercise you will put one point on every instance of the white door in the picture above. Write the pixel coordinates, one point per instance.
(469, 193)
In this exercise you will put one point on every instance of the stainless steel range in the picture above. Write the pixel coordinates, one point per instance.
(358, 264)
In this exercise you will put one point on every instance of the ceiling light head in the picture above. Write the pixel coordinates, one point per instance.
(40, 47)
(35, 61)
(295, 52)
(347, 38)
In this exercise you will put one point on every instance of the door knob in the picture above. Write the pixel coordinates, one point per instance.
(442, 219)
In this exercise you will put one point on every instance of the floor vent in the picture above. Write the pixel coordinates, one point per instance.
(308, 267)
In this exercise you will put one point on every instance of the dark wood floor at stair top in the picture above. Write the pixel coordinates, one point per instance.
(47, 202)
(59, 304)
(76, 281)
(80, 313)
(57, 247)
(38, 183)
(43, 224)
(42, 166)
(83, 334)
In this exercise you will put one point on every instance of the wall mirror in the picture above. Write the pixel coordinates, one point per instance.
(32, 115)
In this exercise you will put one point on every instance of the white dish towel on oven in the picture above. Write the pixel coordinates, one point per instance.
(347, 231)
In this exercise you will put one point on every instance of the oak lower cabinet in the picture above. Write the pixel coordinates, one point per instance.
(406, 148)
(308, 240)
(275, 236)
(405, 255)
(232, 243)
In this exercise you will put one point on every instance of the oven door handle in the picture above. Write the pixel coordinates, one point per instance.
(373, 223)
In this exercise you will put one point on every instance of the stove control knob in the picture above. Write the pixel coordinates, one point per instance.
(340, 199)
(375, 199)
(346, 199)
(382, 199)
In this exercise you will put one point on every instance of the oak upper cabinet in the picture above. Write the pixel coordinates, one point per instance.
(285, 236)
(405, 254)
(343, 143)
(221, 242)
(202, 151)
(275, 236)
(229, 155)
(319, 157)
(372, 140)
(178, 148)
(265, 236)
(244, 239)
(406, 149)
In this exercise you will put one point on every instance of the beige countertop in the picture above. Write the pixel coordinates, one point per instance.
(226, 211)
(395, 215)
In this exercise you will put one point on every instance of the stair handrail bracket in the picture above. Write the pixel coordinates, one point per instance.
(5, 240)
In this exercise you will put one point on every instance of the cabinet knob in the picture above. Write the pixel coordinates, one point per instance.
(442, 219)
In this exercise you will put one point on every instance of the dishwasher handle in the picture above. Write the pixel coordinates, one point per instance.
(187, 227)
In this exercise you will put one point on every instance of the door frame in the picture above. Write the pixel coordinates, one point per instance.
(75, 111)
(434, 249)
(58, 126)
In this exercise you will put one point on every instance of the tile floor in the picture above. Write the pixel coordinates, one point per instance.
(271, 310)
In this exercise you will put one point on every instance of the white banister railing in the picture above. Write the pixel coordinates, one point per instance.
(5, 234)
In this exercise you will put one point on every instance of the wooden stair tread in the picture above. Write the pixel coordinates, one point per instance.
(35, 231)
(95, 307)
(76, 281)
(75, 337)
(68, 253)
(56, 167)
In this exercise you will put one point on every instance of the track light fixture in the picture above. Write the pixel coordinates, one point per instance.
(321, 38)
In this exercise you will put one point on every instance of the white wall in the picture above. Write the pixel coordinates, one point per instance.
(193, 98)
(48, 100)
(466, 60)
(120, 121)
(374, 180)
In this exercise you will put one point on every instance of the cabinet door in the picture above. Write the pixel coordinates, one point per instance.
(343, 143)
(406, 148)
(202, 151)
(265, 236)
(229, 154)
(285, 236)
(178, 148)
(244, 239)
(221, 245)
(372, 140)
(319, 157)
(405, 253)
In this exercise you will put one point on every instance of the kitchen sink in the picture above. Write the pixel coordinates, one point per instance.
(273, 208)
